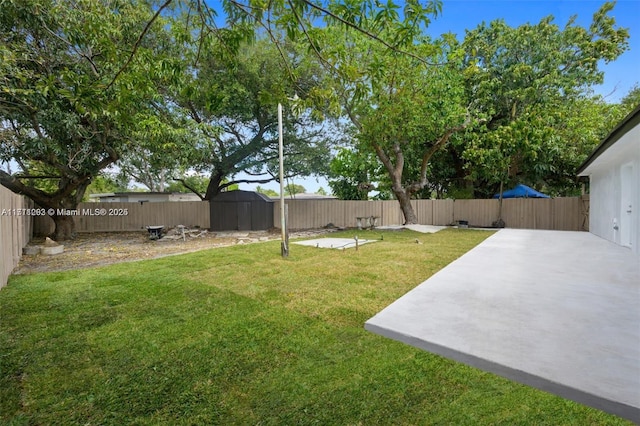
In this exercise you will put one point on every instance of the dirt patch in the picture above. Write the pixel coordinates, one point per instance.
(98, 249)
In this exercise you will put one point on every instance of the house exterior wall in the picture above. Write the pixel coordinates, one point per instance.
(615, 192)
(177, 196)
(151, 197)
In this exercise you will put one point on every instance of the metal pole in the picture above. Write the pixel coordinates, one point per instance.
(283, 224)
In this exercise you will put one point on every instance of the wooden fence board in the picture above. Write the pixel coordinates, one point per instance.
(567, 213)
(121, 217)
(528, 213)
(391, 213)
(443, 213)
(555, 213)
(481, 213)
(15, 231)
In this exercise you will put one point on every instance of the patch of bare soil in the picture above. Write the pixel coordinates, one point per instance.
(98, 249)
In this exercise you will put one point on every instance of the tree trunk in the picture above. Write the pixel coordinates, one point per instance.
(405, 205)
(65, 228)
(213, 188)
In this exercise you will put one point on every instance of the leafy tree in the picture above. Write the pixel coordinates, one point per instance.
(321, 191)
(106, 183)
(194, 183)
(232, 104)
(632, 99)
(532, 86)
(74, 102)
(268, 192)
(352, 174)
(291, 189)
(403, 110)
(70, 98)
(136, 166)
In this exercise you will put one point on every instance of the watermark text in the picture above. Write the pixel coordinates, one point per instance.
(64, 212)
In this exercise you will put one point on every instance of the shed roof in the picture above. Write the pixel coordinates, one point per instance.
(628, 123)
(240, 195)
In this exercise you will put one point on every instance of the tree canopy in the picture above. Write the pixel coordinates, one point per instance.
(163, 89)
(71, 97)
(532, 84)
(232, 107)
(505, 104)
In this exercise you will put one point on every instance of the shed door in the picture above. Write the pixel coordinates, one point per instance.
(627, 207)
(223, 217)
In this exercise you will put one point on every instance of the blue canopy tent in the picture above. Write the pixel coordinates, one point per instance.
(522, 191)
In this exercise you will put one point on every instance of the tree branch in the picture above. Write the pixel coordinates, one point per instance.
(416, 186)
(189, 187)
(13, 184)
(367, 33)
(138, 42)
(38, 177)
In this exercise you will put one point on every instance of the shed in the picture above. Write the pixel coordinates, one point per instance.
(613, 170)
(241, 211)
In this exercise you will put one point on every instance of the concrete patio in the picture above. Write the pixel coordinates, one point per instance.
(559, 311)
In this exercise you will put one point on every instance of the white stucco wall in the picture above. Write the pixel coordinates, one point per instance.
(153, 197)
(607, 207)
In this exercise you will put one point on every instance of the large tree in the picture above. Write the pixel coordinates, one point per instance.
(232, 103)
(404, 106)
(527, 93)
(533, 84)
(76, 79)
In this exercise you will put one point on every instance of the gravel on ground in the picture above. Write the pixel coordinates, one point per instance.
(98, 249)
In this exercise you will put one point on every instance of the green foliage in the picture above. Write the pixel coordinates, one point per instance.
(85, 85)
(106, 183)
(403, 111)
(196, 182)
(512, 105)
(393, 25)
(352, 174)
(631, 99)
(531, 84)
(268, 192)
(291, 189)
(70, 100)
(232, 106)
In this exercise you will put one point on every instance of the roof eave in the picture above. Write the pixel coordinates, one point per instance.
(629, 122)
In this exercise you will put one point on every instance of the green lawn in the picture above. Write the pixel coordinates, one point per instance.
(238, 335)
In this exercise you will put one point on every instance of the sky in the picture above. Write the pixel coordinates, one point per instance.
(459, 15)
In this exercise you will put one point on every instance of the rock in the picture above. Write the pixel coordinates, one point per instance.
(48, 242)
(31, 250)
(51, 250)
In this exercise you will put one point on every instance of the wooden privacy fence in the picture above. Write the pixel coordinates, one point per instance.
(15, 230)
(567, 214)
(111, 217)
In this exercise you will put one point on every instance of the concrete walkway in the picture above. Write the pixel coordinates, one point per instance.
(559, 311)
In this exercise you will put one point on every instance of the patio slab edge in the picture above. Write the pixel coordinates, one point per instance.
(555, 310)
(577, 395)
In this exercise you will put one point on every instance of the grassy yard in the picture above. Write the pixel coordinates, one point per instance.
(239, 336)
